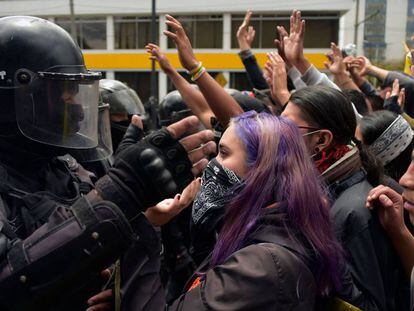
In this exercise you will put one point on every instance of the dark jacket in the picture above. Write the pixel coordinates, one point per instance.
(274, 271)
(373, 263)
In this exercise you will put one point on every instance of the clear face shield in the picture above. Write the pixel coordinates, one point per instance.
(104, 148)
(58, 109)
(125, 101)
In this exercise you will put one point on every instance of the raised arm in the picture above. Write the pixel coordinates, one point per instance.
(367, 68)
(191, 96)
(293, 47)
(293, 73)
(337, 67)
(276, 77)
(222, 104)
(245, 36)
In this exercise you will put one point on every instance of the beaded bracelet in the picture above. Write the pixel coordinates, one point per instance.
(198, 74)
(195, 70)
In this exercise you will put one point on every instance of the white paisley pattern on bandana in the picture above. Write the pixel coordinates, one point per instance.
(392, 141)
(215, 191)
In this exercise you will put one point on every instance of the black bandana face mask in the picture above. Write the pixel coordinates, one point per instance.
(216, 192)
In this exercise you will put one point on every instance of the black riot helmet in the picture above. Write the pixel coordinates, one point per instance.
(121, 98)
(123, 103)
(46, 92)
(248, 102)
(172, 108)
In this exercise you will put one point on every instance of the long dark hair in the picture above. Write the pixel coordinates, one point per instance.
(280, 170)
(371, 127)
(328, 108)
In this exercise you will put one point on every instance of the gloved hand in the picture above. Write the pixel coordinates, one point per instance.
(157, 167)
(133, 134)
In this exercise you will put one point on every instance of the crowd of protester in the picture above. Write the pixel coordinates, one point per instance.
(296, 196)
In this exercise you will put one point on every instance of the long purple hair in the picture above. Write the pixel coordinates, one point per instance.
(279, 169)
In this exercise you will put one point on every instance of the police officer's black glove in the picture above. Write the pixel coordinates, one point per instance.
(157, 167)
(133, 134)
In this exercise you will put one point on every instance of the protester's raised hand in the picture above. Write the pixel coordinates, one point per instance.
(183, 44)
(279, 43)
(389, 207)
(167, 209)
(395, 89)
(352, 66)
(363, 64)
(159, 56)
(293, 44)
(335, 63)
(246, 33)
(278, 76)
(396, 95)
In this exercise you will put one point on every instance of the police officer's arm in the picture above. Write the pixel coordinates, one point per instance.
(78, 242)
(191, 96)
(222, 104)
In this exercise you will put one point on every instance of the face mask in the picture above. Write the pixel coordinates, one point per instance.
(216, 191)
(118, 130)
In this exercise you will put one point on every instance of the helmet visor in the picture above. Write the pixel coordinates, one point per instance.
(124, 101)
(104, 148)
(59, 109)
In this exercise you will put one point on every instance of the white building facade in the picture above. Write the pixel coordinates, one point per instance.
(113, 33)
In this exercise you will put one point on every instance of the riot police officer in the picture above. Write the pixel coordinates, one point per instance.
(57, 229)
(123, 103)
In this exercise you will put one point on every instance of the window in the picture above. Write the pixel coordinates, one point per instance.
(321, 29)
(374, 29)
(204, 32)
(139, 81)
(91, 32)
(133, 32)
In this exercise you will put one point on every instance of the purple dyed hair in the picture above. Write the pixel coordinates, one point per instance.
(279, 169)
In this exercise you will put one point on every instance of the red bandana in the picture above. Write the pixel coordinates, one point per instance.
(330, 156)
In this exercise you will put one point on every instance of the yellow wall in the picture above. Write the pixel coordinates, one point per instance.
(213, 61)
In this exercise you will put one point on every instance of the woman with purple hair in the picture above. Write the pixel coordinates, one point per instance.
(276, 248)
